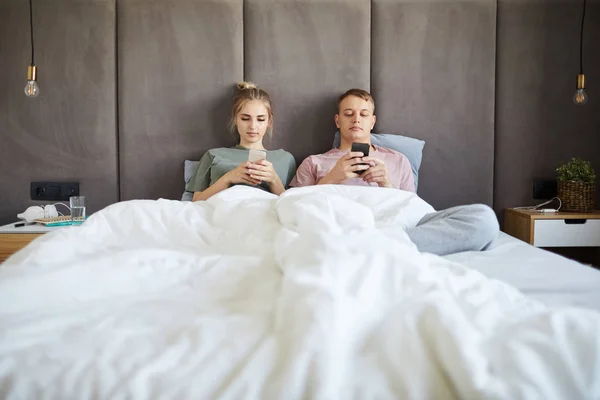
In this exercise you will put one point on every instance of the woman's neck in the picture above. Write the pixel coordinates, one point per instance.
(257, 146)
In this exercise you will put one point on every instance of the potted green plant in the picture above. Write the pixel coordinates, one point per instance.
(576, 185)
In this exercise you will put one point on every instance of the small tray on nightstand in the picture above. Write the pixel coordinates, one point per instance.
(55, 221)
(558, 229)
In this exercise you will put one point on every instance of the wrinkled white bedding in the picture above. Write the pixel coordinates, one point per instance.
(315, 294)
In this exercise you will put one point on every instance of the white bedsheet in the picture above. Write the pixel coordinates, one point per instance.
(316, 294)
(542, 275)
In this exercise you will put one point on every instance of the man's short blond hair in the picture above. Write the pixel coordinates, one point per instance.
(363, 94)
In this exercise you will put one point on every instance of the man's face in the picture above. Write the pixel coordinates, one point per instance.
(355, 120)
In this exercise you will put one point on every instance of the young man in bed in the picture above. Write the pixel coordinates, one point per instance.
(462, 228)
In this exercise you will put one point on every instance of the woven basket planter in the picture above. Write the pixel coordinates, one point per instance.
(577, 196)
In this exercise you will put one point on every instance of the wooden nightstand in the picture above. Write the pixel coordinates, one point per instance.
(14, 239)
(562, 229)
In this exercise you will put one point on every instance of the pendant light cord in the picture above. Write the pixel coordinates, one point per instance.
(31, 28)
(580, 40)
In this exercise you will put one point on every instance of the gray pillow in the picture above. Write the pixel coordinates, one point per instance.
(188, 169)
(412, 148)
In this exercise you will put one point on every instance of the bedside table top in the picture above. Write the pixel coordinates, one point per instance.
(554, 215)
(34, 228)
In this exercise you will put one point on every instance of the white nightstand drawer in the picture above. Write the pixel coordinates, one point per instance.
(566, 233)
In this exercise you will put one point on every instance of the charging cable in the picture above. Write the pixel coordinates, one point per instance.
(543, 210)
(61, 204)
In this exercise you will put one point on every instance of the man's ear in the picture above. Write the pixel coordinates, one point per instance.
(374, 119)
(336, 118)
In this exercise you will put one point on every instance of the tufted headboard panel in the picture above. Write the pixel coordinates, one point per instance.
(306, 53)
(177, 63)
(432, 70)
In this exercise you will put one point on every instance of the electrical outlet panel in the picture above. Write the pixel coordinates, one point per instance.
(544, 188)
(53, 191)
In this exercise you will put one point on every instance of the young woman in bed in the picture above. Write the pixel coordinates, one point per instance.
(462, 228)
(219, 169)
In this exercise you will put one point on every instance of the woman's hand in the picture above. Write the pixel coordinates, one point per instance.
(241, 174)
(263, 171)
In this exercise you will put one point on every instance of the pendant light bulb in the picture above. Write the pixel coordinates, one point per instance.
(580, 97)
(31, 88)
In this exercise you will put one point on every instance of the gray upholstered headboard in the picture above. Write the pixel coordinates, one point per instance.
(132, 88)
(177, 67)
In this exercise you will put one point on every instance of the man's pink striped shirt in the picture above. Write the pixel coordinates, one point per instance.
(314, 168)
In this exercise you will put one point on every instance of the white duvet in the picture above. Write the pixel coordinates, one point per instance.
(317, 294)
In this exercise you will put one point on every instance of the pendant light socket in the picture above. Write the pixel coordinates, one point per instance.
(581, 81)
(32, 73)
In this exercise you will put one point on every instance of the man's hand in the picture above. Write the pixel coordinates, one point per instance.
(345, 168)
(377, 172)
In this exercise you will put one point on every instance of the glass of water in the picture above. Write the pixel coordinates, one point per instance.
(77, 204)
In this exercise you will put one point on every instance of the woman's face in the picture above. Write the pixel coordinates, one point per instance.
(252, 122)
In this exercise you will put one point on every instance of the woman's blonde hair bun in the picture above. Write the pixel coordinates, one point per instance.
(246, 85)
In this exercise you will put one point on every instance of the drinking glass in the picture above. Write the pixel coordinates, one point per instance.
(77, 204)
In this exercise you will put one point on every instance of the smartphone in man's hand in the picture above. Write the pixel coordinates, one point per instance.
(363, 148)
(256, 155)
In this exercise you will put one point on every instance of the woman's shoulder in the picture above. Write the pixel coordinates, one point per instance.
(280, 153)
(282, 156)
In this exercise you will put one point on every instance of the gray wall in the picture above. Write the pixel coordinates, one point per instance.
(69, 132)
(131, 88)
(537, 124)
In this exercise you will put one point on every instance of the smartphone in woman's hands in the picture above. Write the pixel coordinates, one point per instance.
(256, 155)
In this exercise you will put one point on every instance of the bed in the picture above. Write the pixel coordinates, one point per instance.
(542, 275)
(314, 294)
(317, 294)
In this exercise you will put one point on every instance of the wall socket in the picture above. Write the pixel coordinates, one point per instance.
(53, 191)
(544, 188)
